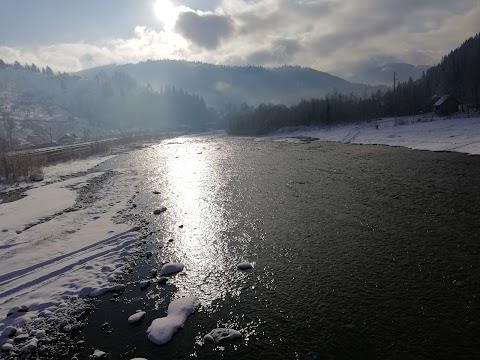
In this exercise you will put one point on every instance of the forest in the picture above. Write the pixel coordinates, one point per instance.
(458, 74)
(110, 102)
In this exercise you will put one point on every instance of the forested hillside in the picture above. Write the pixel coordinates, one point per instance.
(39, 102)
(458, 74)
(226, 87)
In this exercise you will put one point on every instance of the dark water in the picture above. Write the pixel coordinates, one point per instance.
(360, 252)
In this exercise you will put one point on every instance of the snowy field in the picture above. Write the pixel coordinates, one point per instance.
(460, 134)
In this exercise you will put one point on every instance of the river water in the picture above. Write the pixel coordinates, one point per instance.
(359, 252)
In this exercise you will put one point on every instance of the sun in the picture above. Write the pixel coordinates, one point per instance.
(166, 12)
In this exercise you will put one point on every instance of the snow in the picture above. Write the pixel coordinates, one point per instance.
(49, 254)
(171, 268)
(72, 167)
(55, 172)
(459, 134)
(136, 317)
(244, 265)
(7, 347)
(162, 330)
(220, 334)
(16, 215)
(97, 354)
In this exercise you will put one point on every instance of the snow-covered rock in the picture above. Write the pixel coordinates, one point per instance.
(36, 177)
(162, 330)
(159, 210)
(39, 334)
(21, 338)
(162, 280)
(105, 289)
(29, 346)
(153, 272)
(144, 284)
(171, 268)
(220, 334)
(136, 317)
(244, 265)
(98, 354)
(9, 331)
(17, 309)
(7, 346)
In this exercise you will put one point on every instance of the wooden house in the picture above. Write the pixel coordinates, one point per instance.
(446, 105)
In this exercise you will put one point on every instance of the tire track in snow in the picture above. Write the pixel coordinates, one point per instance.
(62, 265)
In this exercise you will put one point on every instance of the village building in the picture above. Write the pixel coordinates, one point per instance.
(68, 139)
(446, 105)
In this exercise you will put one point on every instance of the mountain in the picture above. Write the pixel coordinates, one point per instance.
(223, 86)
(375, 73)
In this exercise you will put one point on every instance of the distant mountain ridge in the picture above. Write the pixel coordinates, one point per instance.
(222, 85)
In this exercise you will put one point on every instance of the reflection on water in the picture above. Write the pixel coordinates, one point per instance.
(190, 181)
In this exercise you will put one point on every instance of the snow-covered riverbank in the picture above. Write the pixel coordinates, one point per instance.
(56, 245)
(460, 134)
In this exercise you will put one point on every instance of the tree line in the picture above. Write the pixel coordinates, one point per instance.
(34, 68)
(458, 74)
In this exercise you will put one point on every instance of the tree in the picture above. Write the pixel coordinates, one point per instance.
(49, 71)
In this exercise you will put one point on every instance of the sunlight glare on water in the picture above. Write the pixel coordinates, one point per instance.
(191, 192)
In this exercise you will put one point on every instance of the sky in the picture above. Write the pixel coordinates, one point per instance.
(336, 36)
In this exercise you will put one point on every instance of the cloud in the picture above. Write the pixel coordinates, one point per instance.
(204, 29)
(329, 35)
(145, 44)
(280, 51)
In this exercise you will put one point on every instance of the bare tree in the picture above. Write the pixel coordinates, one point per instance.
(8, 125)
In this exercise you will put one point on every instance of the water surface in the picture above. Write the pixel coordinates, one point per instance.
(359, 251)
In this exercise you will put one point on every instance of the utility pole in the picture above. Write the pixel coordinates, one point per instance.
(394, 104)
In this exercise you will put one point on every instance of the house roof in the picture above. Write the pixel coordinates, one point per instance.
(442, 100)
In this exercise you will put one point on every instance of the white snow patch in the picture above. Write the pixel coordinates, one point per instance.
(37, 204)
(136, 317)
(459, 134)
(102, 290)
(55, 171)
(162, 330)
(220, 334)
(144, 284)
(97, 354)
(171, 268)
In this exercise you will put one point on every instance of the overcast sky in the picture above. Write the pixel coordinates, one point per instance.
(337, 36)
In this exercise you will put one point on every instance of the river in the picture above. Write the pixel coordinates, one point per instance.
(359, 252)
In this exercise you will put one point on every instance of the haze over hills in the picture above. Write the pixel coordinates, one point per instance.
(225, 86)
(378, 73)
